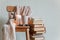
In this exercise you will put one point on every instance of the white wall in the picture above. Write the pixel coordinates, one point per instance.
(48, 10)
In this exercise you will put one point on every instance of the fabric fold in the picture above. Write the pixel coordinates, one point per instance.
(8, 31)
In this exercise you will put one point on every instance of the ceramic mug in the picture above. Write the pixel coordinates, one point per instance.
(26, 19)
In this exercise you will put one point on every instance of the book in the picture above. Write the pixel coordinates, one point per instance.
(37, 37)
(38, 25)
(34, 32)
(38, 29)
(40, 32)
(38, 22)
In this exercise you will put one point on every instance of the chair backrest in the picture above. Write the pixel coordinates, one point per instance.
(11, 8)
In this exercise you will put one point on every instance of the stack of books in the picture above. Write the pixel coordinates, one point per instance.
(37, 30)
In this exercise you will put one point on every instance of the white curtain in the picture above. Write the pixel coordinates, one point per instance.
(9, 31)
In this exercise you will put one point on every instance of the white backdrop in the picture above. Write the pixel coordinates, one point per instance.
(48, 10)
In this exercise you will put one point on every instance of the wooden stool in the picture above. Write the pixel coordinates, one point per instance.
(23, 29)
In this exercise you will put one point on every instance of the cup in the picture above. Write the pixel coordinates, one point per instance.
(26, 20)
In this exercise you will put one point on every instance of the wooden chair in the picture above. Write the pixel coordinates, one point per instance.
(19, 28)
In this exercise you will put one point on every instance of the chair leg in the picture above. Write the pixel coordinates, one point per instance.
(27, 35)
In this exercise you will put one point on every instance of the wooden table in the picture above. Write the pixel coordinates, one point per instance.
(24, 29)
